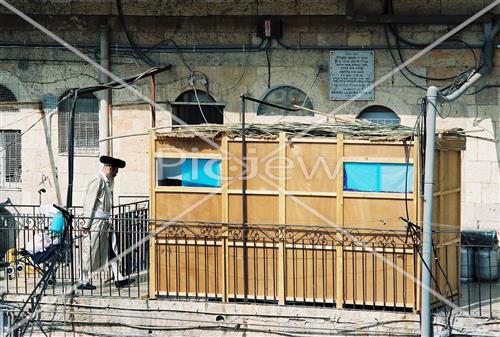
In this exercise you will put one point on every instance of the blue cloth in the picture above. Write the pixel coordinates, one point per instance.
(377, 177)
(201, 172)
(57, 224)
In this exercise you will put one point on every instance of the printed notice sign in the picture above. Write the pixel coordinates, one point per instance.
(351, 75)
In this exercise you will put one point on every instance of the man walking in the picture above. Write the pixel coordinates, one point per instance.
(97, 210)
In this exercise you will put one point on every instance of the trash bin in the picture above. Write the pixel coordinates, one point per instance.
(486, 262)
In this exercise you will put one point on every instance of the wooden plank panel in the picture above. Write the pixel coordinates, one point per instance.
(262, 209)
(262, 273)
(311, 211)
(263, 173)
(451, 167)
(436, 204)
(190, 269)
(373, 281)
(312, 167)
(188, 206)
(437, 171)
(450, 217)
(371, 150)
(186, 146)
(375, 213)
(310, 274)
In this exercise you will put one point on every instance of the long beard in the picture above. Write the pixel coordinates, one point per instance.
(111, 181)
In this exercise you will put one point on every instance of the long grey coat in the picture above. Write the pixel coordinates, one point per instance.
(97, 208)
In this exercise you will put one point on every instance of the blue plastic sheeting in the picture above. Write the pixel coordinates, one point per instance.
(377, 177)
(201, 172)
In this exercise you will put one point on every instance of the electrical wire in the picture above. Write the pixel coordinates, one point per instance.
(386, 33)
(389, 9)
(294, 330)
(113, 85)
(4, 148)
(4, 127)
(305, 98)
(179, 53)
(199, 104)
(136, 50)
(268, 65)
(484, 87)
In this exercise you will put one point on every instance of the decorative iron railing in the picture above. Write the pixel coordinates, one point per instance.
(298, 265)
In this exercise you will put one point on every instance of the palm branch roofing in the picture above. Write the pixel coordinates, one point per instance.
(453, 139)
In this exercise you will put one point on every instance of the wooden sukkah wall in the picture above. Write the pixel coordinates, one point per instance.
(296, 247)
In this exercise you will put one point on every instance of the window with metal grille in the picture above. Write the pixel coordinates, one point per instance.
(86, 137)
(197, 107)
(7, 96)
(379, 114)
(10, 159)
(287, 96)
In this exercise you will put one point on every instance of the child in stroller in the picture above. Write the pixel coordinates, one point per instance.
(39, 253)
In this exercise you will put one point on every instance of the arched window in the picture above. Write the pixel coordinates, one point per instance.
(7, 96)
(379, 114)
(197, 107)
(86, 124)
(10, 146)
(287, 96)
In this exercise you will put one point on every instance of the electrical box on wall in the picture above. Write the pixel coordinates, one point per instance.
(268, 28)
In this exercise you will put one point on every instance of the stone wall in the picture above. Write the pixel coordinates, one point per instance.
(32, 65)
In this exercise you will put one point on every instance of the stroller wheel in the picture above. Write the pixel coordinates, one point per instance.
(10, 270)
(19, 267)
(51, 282)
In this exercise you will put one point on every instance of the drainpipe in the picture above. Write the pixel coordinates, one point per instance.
(104, 102)
(434, 96)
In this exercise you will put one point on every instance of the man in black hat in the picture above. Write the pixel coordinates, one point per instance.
(97, 207)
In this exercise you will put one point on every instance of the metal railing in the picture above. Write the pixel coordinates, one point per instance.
(28, 247)
(276, 264)
(284, 264)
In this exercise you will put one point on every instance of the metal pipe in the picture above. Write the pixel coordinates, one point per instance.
(434, 96)
(71, 149)
(104, 102)
(71, 161)
(153, 99)
(244, 210)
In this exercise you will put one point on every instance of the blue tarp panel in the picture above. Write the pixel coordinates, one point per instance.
(377, 177)
(201, 172)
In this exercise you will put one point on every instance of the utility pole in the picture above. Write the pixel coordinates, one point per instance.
(434, 96)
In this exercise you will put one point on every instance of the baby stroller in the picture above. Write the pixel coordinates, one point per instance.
(47, 250)
(43, 250)
(46, 262)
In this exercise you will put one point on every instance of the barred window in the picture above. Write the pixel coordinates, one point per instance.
(86, 124)
(10, 146)
(10, 159)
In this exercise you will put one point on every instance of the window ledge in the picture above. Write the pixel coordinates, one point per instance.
(92, 154)
(10, 188)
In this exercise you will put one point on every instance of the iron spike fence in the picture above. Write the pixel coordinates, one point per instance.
(292, 265)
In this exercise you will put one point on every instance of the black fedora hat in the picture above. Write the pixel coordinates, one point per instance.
(115, 162)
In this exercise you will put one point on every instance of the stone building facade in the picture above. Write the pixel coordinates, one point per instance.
(215, 48)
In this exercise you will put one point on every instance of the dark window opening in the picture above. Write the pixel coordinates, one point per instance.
(197, 107)
(7, 96)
